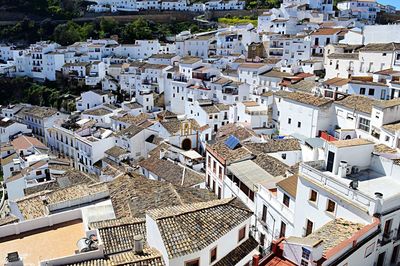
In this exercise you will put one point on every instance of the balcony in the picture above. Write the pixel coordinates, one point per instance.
(180, 79)
(315, 171)
(255, 113)
(231, 91)
(275, 204)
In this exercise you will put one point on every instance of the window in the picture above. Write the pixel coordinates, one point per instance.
(313, 196)
(286, 200)
(264, 214)
(387, 228)
(242, 234)
(371, 91)
(304, 263)
(330, 206)
(299, 124)
(289, 121)
(305, 254)
(283, 155)
(364, 124)
(362, 91)
(215, 167)
(283, 230)
(309, 227)
(350, 116)
(213, 255)
(195, 262)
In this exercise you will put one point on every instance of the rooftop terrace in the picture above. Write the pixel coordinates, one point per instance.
(44, 243)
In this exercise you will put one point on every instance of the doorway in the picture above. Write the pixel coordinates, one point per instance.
(381, 259)
(186, 144)
(331, 159)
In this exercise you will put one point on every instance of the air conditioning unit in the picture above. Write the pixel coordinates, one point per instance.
(348, 170)
(355, 169)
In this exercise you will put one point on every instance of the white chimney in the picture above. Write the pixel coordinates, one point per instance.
(379, 202)
(162, 153)
(138, 244)
(342, 169)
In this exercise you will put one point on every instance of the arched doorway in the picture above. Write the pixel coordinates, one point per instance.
(186, 144)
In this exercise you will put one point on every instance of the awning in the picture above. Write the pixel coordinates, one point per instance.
(251, 174)
(191, 154)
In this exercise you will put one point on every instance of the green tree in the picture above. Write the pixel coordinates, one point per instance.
(66, 34)
(108, 26)
(136, 30)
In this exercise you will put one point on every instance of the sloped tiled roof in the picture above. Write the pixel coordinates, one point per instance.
(272, 146)
(172, 172)
(120, 238)
(380, 47)
(192, 227)
(236, 255)
(271, 165)
(289, 185)
(357, 103)
(236, 130)
(133, 196)
(303, 98)
(26, 142)
(230, 155)
(174, 125)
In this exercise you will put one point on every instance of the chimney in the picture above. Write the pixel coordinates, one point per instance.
(342, 171)
(379, 202)
(162, 153)
(256, 260)
(138, 244)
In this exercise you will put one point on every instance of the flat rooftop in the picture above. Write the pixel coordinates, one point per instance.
(370, 181)
(44, 243)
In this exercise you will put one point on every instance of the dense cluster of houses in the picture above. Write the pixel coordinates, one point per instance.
(168, 5)
(274, 145)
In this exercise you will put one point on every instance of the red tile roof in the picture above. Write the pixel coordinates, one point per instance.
(25, 142)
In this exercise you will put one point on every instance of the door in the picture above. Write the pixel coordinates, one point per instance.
(186, 144)
(395, 254)
(381, 259)
(262, 239)
(264, 214)
(331, 159)
(282, 233)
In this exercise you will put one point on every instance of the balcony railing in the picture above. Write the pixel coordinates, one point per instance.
(314, 172)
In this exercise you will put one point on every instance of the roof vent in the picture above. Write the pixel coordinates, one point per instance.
(138, 244)
(12, 257)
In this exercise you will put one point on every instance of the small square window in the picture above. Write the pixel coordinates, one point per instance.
(213, 255)
(371, 91)
(286, 200)
(283, 155)
(304, 263)
(195, 262)
(330, 206)
(242, 234)
(313, 195)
